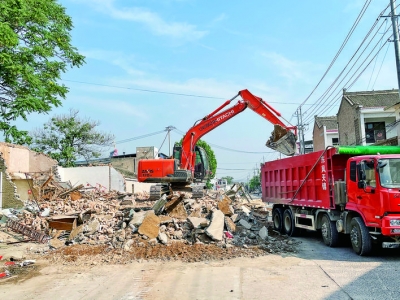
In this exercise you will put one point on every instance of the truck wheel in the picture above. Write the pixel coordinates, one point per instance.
(359, 236)
(329, 232)
(288, 223)
(277, 219)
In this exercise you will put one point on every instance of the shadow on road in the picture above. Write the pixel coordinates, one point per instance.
(312, 247)
(357, 277)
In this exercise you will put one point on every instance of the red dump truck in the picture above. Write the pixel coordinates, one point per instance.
(340, 190)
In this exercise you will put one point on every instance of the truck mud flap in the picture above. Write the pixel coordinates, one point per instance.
(282, 140)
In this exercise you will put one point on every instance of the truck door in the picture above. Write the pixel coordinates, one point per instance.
(367, 198)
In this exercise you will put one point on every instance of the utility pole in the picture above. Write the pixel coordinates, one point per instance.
(169, 128)
(396, 39)
(395, 27)
(300, 130)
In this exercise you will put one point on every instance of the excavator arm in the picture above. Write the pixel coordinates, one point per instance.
(283, 137)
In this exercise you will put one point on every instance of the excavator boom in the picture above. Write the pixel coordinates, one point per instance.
(190, 163)
(283, 138)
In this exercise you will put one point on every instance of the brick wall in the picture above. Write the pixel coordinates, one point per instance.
(346, 117)
(318, 138)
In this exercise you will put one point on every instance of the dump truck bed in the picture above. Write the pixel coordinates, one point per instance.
(304, 180)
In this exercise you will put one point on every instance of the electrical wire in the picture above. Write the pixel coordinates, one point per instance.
(377, 75)
(373, 69)
(338, 92)
(324, 95)
(139, 137)
(229, 149)
(164, 92)
(144, 90)
(364, 8)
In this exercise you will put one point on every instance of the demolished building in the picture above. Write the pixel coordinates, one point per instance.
(18, 167)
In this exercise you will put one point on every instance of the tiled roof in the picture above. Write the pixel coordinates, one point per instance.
(330, 122)
(373, 98)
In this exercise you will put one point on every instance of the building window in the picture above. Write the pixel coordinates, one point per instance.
(375, 131)
(335, 141)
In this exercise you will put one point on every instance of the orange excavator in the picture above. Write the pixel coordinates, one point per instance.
(190, 163)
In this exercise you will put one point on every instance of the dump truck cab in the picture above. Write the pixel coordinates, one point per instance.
(373, 189)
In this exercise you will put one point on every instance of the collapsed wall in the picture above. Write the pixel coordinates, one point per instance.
(9, 197)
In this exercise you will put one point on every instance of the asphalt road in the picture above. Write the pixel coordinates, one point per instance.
(356, 277)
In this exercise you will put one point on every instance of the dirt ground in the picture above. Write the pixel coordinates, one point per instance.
(99, 255)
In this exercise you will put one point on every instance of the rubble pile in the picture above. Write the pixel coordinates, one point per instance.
(106, 224)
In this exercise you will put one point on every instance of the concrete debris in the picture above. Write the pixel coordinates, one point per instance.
(159, 205)
(128, 222)
(224, 206)
(216, 228)
(150, 226)
(263, 233)
(244, 223)
(196, 222)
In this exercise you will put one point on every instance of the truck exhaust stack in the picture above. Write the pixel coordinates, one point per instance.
(282, 140)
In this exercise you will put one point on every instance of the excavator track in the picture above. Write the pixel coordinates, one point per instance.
(157, 190)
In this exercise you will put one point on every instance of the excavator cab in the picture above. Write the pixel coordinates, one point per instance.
(201, 166)
(282, 140)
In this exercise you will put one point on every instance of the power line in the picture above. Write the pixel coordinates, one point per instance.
(165, 92)
(356, 74)
(139, 137)
(366, 4)
(229, 149)
(144, 90)
(325, 94)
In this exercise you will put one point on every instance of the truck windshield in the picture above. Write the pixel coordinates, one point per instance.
(389, 172)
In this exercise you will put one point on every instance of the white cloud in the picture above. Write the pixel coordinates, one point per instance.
(153, 21)
(113, 106)
(291, 69)
(116, 58)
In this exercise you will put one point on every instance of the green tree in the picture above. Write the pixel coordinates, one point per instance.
(35, 48)
(68, 137)
(254, 183)
(229, 179)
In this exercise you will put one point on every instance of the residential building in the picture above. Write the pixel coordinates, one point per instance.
(367, 117)
(325, 132)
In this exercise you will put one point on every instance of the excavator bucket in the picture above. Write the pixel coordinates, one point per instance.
(282, 140)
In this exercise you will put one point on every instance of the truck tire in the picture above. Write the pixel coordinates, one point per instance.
(288, 223)
(277, 217)
(359, 236)
(329, 232)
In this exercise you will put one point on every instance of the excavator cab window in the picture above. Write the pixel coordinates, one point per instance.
(177, 154)
(202, 165)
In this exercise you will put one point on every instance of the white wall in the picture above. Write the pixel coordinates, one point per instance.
(133, 186)
(94, 176)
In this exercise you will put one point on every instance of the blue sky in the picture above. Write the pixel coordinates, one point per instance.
(278, 50)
